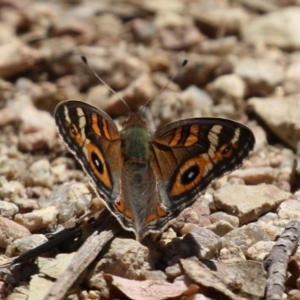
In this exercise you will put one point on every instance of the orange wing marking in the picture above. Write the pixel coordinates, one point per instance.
(122, 209)
(177, 136)
(104, 177)
(161, 212)
(105, 129)
(95, 125)
(193, 136)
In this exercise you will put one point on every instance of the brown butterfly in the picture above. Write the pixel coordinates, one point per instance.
(145, 180)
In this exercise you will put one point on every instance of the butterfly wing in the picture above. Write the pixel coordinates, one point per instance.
(189, 154)
(92, 136)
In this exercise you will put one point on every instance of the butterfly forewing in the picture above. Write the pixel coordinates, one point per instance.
(91, 136)
(196, 151)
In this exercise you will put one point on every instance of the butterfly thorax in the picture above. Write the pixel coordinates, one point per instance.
(135, 141)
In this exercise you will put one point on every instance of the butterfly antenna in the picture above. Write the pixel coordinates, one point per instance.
(84, 59)
(184, 63)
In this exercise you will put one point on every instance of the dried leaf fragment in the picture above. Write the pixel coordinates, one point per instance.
(150, 289)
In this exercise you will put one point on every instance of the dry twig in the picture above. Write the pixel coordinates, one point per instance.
(83, 258)
(103, 229)
(276, 262)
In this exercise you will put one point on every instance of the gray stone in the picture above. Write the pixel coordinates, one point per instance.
(25, 244)
(45, 218)
(289, 210)
(231, 252)
(10, 231)
(126, 258)
(246, 236)
(255, 175)
(173, 271)
(220, 228)
(69, 199)
(197, 99)
(228, 89)
(259, 250)
(281, 116)
(222, 216)
(249, 202)
(11, 189)
(202, 242)
(39, 174)
(275, 29)
(260, 75)
(8, 210)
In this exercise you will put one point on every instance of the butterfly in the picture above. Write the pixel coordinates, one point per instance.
(146, 181)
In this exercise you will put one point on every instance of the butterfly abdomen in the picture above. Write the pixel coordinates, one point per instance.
(138, 180)
(138, 187)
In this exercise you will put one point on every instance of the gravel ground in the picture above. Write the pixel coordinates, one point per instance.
(244, 64)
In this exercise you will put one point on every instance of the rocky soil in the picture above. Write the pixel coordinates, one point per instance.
(244, 64)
